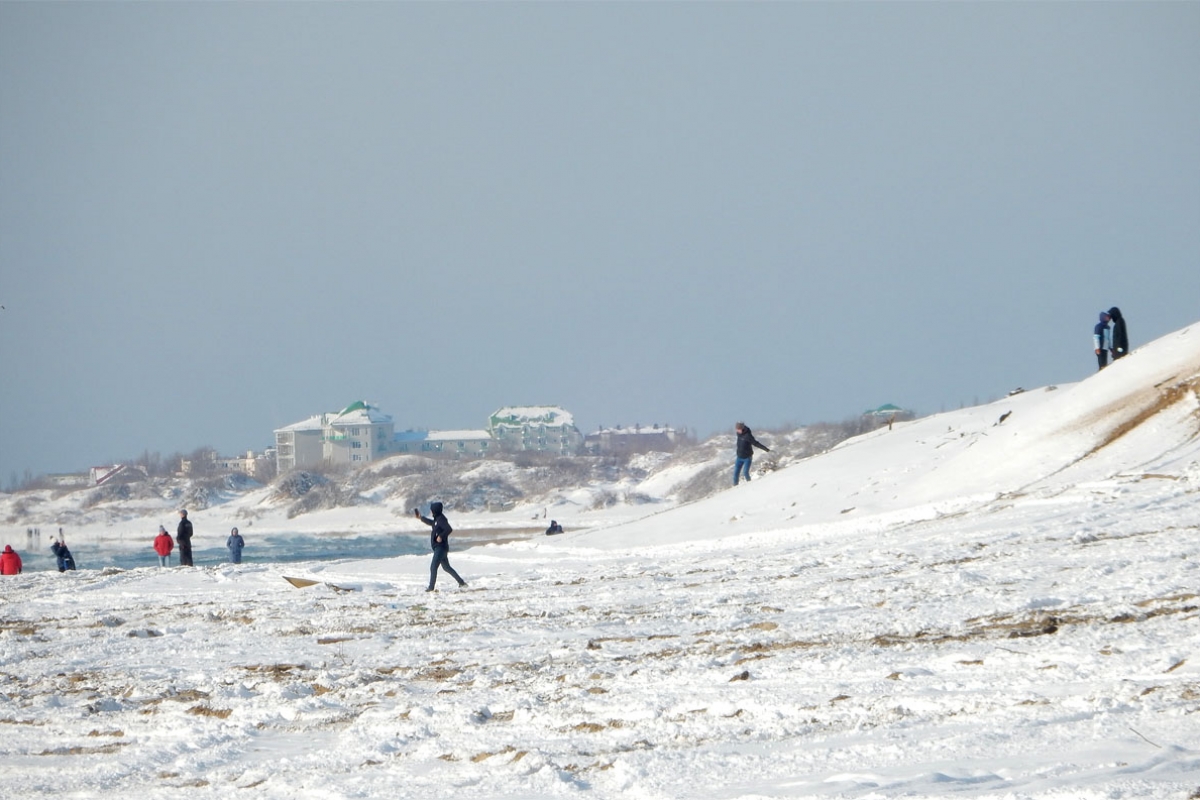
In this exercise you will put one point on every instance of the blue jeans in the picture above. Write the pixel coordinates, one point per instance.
(441, 557)
(740, 466)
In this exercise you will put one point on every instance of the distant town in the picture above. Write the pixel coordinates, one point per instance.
(362, 433)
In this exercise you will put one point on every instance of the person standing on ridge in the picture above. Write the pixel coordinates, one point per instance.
(439, 540)
(183, 535)
(163, 545)
(745, 451)
(1102, 339)
(1120, 339)
(10, 561)
(235, 543)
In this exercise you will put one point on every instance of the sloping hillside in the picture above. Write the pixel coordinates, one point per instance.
(1141, 415)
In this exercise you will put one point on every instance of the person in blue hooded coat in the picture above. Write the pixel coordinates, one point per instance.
(235, 543)
(439, 541)
(1102, 339)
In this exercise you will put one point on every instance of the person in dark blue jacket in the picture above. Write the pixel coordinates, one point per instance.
(439, 541)
(1102, 339)
(65, 560)
(745, 451)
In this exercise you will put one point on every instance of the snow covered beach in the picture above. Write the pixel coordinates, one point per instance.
(957, 607)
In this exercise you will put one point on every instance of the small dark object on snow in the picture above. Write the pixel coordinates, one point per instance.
(744, 675)
(1004, 416)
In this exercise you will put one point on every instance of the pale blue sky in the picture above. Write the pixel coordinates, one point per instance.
(219, 218)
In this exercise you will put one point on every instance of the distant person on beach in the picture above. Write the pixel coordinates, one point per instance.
(439, 540)
(163, 545)
(1102, 339)
(10, 562)
(554, 528)
(745, 451)
(235, 543)
(183, 535)
(62, 554)
(1120, 339)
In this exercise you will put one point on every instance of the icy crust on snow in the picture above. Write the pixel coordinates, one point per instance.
(956, 607)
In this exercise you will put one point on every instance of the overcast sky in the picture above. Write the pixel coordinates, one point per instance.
(217, 219)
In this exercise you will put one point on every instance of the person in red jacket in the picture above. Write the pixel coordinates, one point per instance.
(10, 562)
(163, 545)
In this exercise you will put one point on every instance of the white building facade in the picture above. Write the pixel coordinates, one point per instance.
(547, 429)
(356, 435)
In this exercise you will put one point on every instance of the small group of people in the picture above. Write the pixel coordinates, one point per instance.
(164, 544)
(1110, 337)
(10, 560)
(554, 528)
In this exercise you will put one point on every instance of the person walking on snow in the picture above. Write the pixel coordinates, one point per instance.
(235, 543)
(163, 545)
(439, 540)
(1102, 339)
(1120, 339)
(745, 451)
(10, 562)
(183, 535)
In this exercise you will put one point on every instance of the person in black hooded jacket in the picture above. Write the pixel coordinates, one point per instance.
(1120, 339)
(183, 537)
(745, 451)
(439, 541)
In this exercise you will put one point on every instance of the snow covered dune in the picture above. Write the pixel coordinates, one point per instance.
(957, 607)
(1140, 412)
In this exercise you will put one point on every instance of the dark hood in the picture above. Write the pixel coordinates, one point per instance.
(435, 508)
(1114, 312)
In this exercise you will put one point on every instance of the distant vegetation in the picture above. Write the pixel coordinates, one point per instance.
(496, 483)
